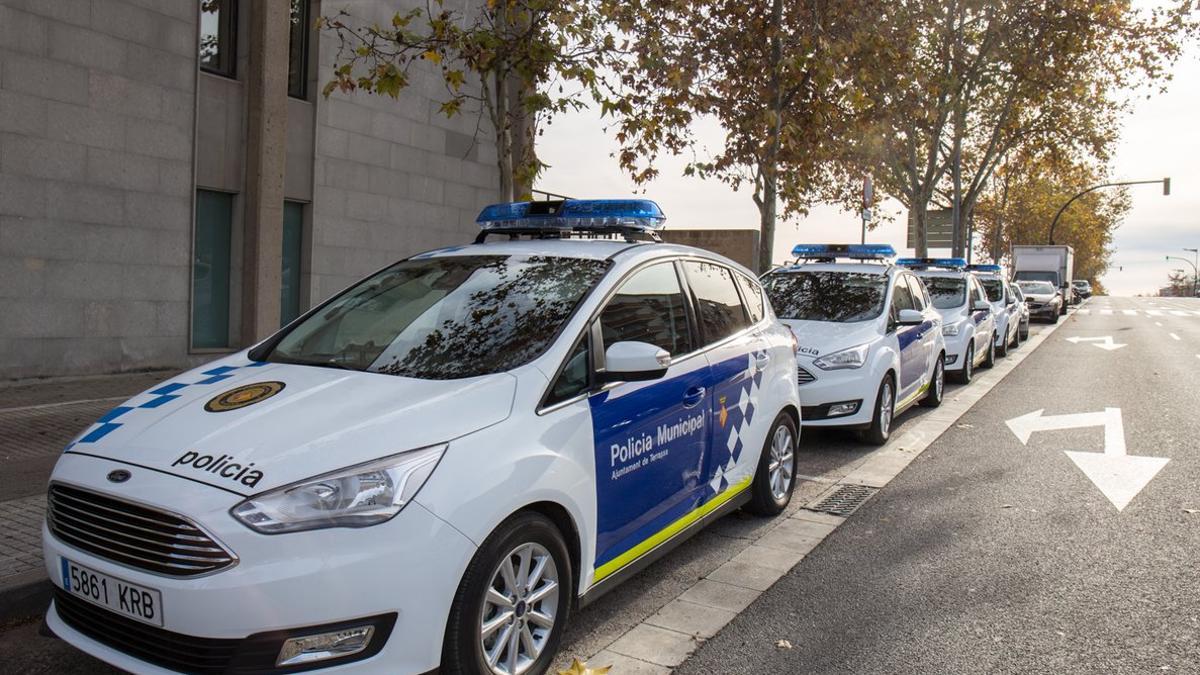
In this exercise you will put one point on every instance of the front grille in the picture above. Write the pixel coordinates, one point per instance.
(133, 535)
(253, 655)
(803, 376)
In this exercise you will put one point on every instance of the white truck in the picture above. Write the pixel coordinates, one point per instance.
(1055, 264)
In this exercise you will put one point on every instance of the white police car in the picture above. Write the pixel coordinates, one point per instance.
(1004, 306)
(968, 322)
(432, 468)
(870, 340)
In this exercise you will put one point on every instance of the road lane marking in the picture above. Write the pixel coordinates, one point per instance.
(1106, 343)
(1154, 312)
(1129, 312)
(1106, 312)
(1118, 476)
(1158, 323)
(1178, 312)
(1174, 336)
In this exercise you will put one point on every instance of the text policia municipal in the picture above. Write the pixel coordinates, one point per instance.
(637, 452)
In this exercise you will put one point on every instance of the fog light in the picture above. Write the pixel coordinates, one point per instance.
(839, 409)
(322, 646)
(950, 359)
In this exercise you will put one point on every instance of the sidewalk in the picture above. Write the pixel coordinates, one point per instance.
(38, 418)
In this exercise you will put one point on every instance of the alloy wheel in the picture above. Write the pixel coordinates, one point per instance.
(519, 609)
(782, 462)
(886, 404)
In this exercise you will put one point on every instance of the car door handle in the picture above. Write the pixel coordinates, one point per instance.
(693, 396)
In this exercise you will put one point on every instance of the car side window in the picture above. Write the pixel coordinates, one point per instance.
(901, 296)
(977, 294)
(720, 308)
(754, 297)
(920, 302)
(649, 307)
(575, 376)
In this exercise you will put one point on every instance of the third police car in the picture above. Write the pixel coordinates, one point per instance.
(870, 339)
(432, 468)
(968, 322)
(1004, 306)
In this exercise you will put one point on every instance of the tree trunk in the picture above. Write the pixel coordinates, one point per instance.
(502, 121)
(767, 206)
(959, 230)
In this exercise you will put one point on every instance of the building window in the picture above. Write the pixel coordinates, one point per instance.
(218, 36)
(298, 50)
(211, 253)
(289, 289)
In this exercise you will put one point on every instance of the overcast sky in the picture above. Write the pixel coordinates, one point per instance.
(1160, 139)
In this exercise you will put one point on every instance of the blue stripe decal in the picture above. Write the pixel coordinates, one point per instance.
(99, 432)
(114, 414)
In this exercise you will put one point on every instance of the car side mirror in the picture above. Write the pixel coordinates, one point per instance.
(630, 361)
(982, 306)
(910, 317)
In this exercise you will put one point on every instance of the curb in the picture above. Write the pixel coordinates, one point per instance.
(24, 596)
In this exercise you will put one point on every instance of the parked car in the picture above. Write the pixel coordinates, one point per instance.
(1004, 307)
(1083, 287)
(431, 469)
(1023, 307)
(870, 341)
(1045, 301)
(968, 318)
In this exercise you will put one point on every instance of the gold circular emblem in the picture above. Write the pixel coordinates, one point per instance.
(243, 396)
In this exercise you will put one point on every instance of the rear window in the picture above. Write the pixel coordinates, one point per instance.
(947, 292)
(445, 318)
(817, 295)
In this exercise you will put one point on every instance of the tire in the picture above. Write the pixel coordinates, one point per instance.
(1024, 333)
(885, 408)
(777, 463)
(1002, 350)
(937, 386)
(990, 359)
(1057, 318)
(964, 375)
(464, 651)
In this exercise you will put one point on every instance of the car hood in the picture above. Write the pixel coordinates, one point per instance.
(306, 421)
(818, 338)
(1040, 297)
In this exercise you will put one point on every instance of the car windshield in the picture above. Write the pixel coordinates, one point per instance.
(947, 292)
(994, 288)
(826, 295)
(445, 318)
(1036, 287)
(1081, 284)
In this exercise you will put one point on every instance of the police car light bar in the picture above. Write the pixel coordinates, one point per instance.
(852, 251)
(567, 215)
(984, 268)
(946, 263)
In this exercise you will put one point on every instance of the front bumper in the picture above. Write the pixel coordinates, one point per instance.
(837, 386)
(956, 348)
(1046, 311)
(408, 567)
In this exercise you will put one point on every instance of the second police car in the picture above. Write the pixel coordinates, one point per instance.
(870, 338)
(432, 468)
(968, 322)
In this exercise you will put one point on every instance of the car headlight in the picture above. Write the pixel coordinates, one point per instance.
(853, 357)
(358, 496)
(949, 329)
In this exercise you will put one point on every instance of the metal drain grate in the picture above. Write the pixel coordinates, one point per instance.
(845, 501)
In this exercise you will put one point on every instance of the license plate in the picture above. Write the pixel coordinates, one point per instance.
(118, 595)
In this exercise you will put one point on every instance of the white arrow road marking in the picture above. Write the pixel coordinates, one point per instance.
(1106, 343)
(1178, 312)
(1154, 312)
(1120, 477)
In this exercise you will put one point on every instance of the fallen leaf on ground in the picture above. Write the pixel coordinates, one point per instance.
(1191, 510)
(581, 668)
(783, 644)
(964, 425)
(1007, 506)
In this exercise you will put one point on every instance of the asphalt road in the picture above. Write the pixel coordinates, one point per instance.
(990, 556)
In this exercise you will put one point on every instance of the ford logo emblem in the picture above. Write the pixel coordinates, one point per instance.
(118, 476)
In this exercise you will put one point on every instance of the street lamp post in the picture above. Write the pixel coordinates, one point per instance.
(1195, 277)
(1166, 183)
(1195, 271)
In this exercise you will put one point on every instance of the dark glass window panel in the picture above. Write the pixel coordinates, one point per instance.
(649, 307)
(918, 293)
(754, 298)
(218, 36)
(445, 318)
(901, 296)
(720, 307)
(575, 375)
(210, 269)
(293, 242)
(994, 289)
(298, 49)
(947, 292)
(826, 296)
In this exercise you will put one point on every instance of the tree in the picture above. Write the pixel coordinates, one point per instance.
(1017, 206)
(984, 78)
(782, 78)
(517, 62)
(1179, 284)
